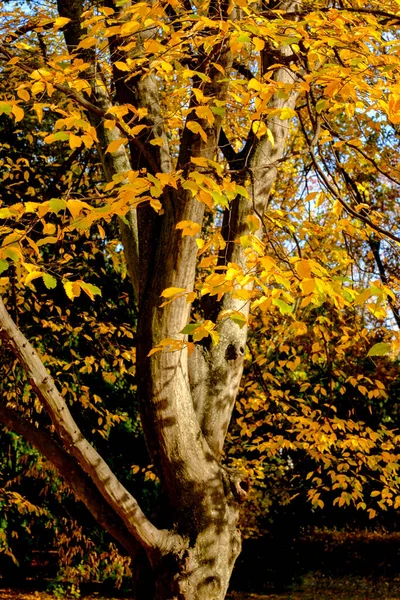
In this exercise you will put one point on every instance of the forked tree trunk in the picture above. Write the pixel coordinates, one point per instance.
(186, 403)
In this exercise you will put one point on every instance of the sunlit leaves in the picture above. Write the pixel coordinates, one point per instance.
(188, 227)
(73, 289)
(380, 349)
(197, 128)
(116, 144)
(329, 78)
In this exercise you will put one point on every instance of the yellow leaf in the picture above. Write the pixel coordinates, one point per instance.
(157, 142)
(219, 68)
(259, 44)
(287, 113)
(87, 140)
(197, 128)
(337, 208)
(109, 123)
(121, 66)
(303, 268)
(37, 87)
(204, 112)
(74, 141)
(23, 94)
(152, 46)
(114, 145)
(260, 129)
(154, 350)
(72, 289)
(254, 84)
(38, 108)
(130, 27)
(200, 161)
(270, 137)
(172, 291)
(137, 129)
(87, 42)
(32, 275)
(167, 67)
(75, 207)
(307, 286)
(60, 22)
(253, 223)
(155, 204)
(205, 198)
(18, 113)
(188, 227)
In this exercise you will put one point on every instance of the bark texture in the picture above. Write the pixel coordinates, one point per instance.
(186, 403)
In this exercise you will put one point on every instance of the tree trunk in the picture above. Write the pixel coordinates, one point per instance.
(203, 569)
(186, 404)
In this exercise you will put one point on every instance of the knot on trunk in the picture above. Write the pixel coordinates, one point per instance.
(234, 351)
(236, 485)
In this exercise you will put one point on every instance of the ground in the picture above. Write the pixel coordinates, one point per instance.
(314, 587)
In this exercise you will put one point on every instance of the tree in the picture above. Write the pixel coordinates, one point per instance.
(193, 109)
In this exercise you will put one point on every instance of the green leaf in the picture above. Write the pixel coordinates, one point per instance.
(3, 266)
(5, 108)
(284, 308)
(90, 290)
(242, 191)
(49, 281)
(380, 349)
(188, 329)
(321, 105)
(239, 319)
(244, 37)
(56, 204)
(10, 253)
(61, 135)
(218, 110)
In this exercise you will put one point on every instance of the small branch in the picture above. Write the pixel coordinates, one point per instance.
(338, 197)
(366, 11)
(227, 150)
(375, 244)
(348, 208)
(89, 106)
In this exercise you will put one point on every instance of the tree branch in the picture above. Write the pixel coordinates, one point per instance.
(182, 455)
(73, 475)
(119, 499)
(215, 372)
(375, 244)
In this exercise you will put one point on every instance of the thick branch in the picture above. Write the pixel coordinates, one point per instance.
(89, 459)
(178, 448)
(71, 472)
(142, 91)
(116, 162)
(215, 372)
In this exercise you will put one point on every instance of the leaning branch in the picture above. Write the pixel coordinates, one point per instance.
(73, 475)
(116, 495)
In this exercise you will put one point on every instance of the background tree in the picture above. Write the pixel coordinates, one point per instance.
(192, 110)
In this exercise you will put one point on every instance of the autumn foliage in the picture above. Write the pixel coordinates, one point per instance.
(236, 165)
